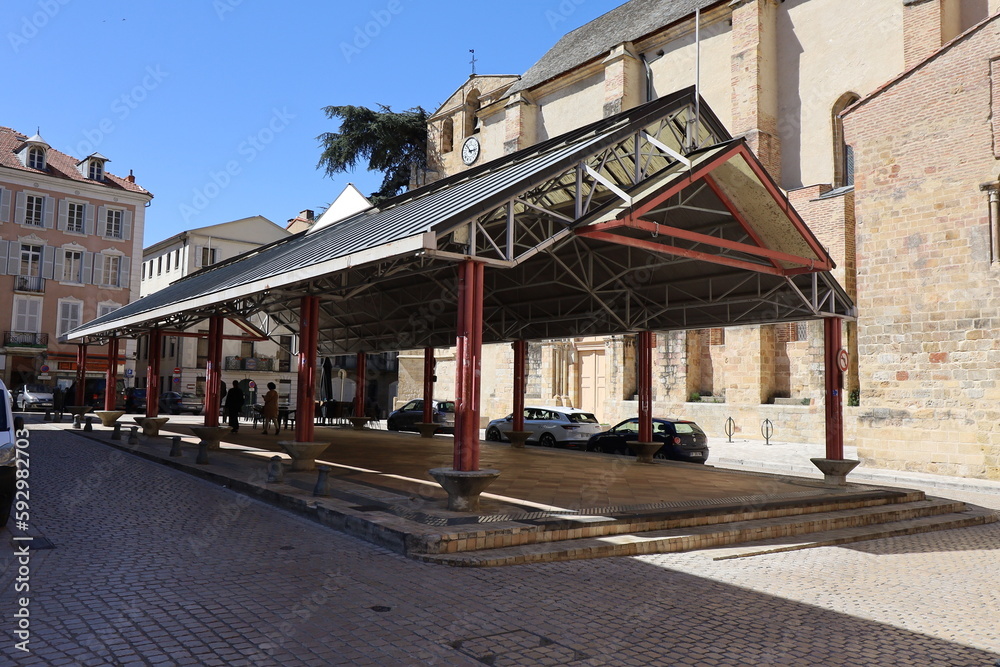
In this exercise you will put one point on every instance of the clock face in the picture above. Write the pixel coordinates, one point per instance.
(470, 150)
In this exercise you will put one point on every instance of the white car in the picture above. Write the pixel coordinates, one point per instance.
(33, 397)
(550, 426)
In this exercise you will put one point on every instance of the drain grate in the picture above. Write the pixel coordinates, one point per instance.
(518, 647)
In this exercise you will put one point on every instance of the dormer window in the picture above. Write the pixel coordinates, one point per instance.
(92, 167)
(36, 157)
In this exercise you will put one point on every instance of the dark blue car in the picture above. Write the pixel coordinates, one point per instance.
(682, 440)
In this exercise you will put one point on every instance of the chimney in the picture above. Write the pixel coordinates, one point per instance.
(927, 25)
(130, 178)
(307, 214)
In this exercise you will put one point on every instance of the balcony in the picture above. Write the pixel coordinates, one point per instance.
(32, 284)
(25, 339)
(249, 364)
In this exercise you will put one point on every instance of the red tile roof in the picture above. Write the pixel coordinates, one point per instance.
(59, 165)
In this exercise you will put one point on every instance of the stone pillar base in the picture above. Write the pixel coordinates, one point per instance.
(426, 429)
(835, 471)
(463, 486)
(109, 417)
(212, 435)
(517, 438)
(151, 425)
(644, 450)
(303, 453)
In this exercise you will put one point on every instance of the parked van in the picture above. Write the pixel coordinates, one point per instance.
(8, 454)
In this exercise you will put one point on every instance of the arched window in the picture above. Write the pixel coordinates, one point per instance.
(471, 108)
(447, 135)
(843, 154)
(36, 157)
(96, 170)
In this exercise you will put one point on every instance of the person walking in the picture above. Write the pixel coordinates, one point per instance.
(270, 411)
(234, 405)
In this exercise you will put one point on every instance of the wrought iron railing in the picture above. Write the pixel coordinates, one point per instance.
(25, 339)
(34, 284)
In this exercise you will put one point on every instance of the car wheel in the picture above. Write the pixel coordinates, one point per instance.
(493, 434)
(391, 426)
(547, 440)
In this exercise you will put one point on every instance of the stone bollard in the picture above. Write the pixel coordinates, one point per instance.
(133, 436)
(48, 415)
(275, 471)
(202, 453)
(117, 433)
(76, 421)
(175, 445)
(322, 481)
(88, 425)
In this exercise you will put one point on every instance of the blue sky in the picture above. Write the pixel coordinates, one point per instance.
(216, 104)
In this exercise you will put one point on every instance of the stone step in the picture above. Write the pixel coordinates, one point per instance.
(704, 537)
(604, 522)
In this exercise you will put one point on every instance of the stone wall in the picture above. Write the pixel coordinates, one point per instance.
(928, 288)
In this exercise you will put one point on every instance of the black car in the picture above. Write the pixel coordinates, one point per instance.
(411, 414)
(682, 440)
(174, 403)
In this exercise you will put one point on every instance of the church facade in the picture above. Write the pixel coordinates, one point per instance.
(779, 74)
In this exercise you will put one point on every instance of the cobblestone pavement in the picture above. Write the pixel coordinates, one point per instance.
(151, 566)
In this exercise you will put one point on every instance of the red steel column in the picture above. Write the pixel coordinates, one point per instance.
(520, 381)
(468, 364)
(359, 391)
(111, 376)
(213, 371)
(832, 344)
(429, 364)
(644, 355)
(81, 373)
(305, 404)
(153, 373)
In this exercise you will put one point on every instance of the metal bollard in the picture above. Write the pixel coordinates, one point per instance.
(76, 421)
(202, 453)
(175, 445)
(88, 425)
(767, 430)
(275, 471)
(322, 481)
(133, 436)
(117, 433)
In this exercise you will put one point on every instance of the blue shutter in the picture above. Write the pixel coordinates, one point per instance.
(88, 218)
(126, 225)
(63, 214)
(48, 255)
(19, 207)
(88, 268)
(98, 269)
(14, 259)
(124, 277)
(58, 271)
(4, 205)
(49, 212)
(3, 257)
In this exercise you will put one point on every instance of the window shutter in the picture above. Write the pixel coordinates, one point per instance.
(88, 268)
(14, 259)
(98, 269)
(20, 200)
(49, 212)
(47, 260)
(102, 220)
(58, 271)
(4, 205)
(126, 225)
(88, 225)
(197, 256)
(63, 215)
(124, 277)
(3, 257)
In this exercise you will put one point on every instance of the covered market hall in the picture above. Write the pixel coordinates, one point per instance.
(654, 219)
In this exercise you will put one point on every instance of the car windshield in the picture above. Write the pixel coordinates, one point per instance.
(39, 388)
(582, 418)
(446, 406)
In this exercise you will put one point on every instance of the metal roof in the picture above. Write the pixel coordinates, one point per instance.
(386, 276)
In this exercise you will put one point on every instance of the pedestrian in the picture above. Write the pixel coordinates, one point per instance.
(58, 403)
(234, 405)
(270, 412)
